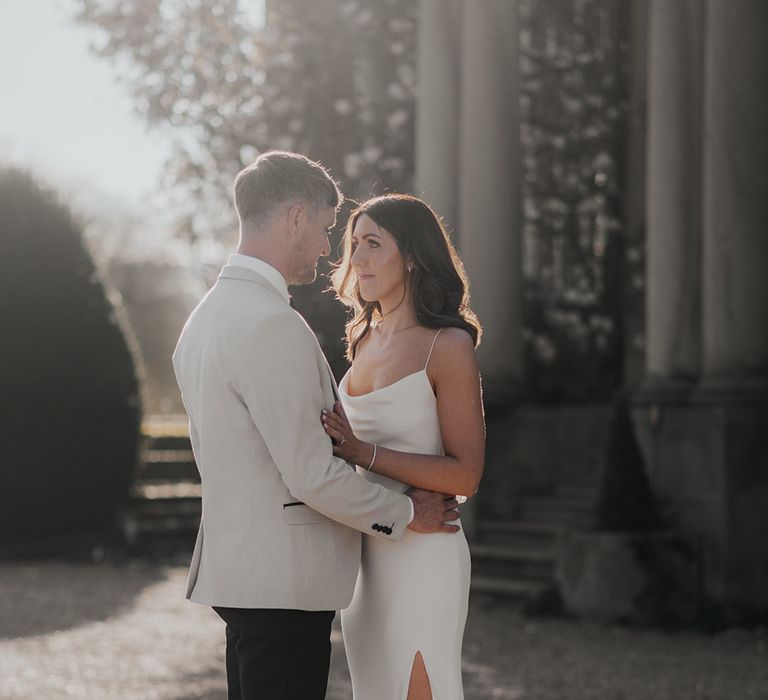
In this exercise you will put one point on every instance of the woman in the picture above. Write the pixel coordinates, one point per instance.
(411, 416)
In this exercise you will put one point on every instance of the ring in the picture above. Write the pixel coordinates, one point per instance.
(342, 441)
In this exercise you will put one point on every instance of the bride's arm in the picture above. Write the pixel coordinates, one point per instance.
(456, 379)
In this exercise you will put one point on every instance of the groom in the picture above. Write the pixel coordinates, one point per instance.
(279, 543)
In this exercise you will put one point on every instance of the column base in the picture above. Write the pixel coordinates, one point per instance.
(660, 390)
(706, 454)
(733, 391)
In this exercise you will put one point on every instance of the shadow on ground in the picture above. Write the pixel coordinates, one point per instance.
(43, 597)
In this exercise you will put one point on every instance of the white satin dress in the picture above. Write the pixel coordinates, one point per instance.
(411, 596)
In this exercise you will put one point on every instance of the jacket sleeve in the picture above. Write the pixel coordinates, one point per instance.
(279, 382)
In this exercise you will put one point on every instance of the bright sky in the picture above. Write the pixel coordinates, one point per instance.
(62, 112)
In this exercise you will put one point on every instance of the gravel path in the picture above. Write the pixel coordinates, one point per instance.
(124, 632)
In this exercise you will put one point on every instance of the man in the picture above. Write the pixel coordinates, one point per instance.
(279, 543)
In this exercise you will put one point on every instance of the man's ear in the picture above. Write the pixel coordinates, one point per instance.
(297, 219)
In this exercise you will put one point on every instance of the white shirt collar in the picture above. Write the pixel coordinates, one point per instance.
(264, 269)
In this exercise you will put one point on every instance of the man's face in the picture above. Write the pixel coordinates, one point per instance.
(313, 244)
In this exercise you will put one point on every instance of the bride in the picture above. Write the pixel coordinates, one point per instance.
(411, 416)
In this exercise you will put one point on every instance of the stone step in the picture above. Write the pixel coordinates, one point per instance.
(165, 426)
(514, 589)
(563, 502)
(567, 512)
(590, 492)
(517, 532)
(165, 506)
(514, 563)
(563, 519)
(167, 442)
(512, 526)
(156, 455)
(168, 464)
(527, 554)
(161, 488)
(166, 526)
(164, 517)
(581, 479)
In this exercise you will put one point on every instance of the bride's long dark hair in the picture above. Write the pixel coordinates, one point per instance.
(438, 284)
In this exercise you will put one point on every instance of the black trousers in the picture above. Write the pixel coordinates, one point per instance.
(277, 654)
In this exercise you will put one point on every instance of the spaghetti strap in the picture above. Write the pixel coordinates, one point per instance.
(434, 340)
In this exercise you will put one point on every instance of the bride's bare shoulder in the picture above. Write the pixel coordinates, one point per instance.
(452, 338)
(454, 351)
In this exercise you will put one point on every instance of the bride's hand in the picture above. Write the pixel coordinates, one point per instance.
(345, 443)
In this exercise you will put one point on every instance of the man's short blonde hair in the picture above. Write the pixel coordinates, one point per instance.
(280, 177)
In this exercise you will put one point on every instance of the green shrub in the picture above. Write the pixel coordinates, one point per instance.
(69, 409)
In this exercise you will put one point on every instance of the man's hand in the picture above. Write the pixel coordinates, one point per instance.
(433, 512)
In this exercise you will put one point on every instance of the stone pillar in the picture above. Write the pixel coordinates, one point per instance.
(468, 167)
(706, 447)
(733, 396)
(735, 289)
(437, 107)
(634, 194)
(675, 79)
(490, 186)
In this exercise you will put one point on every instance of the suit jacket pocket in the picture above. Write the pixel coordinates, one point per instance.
(298, 513)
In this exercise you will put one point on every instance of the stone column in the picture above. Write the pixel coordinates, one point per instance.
(437, 107)
(674, 191)
(490, 186)
(635, 222)
(735, 280)
(705, 449)
(670, 432)
(733, 396)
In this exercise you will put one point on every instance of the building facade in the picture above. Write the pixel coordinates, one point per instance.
(696, 196)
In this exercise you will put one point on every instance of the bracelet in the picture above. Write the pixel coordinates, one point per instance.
(373, 459)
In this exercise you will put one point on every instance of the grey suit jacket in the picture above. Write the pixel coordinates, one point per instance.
(281, 515)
